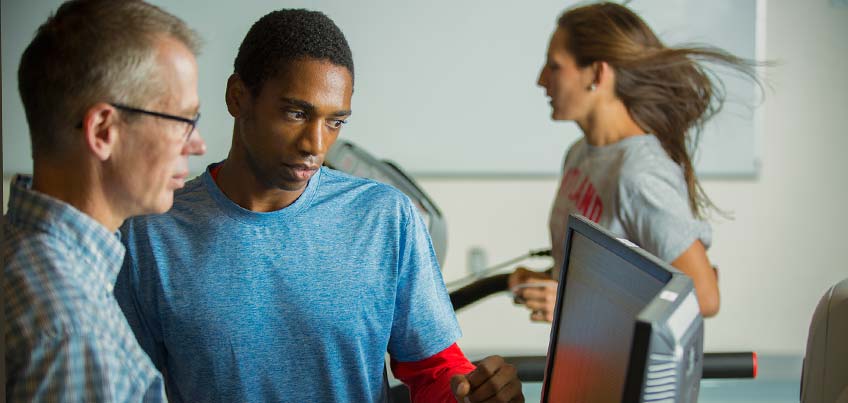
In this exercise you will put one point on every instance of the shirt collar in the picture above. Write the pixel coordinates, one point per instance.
(30, 209)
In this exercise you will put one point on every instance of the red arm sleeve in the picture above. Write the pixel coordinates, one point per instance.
(429, 379)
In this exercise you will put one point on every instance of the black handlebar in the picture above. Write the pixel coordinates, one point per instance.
(730, 365)
(716, 365)
(478, 290)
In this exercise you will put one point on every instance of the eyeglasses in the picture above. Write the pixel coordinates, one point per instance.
(191, 123)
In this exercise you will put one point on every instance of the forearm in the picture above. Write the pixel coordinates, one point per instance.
(695, 263)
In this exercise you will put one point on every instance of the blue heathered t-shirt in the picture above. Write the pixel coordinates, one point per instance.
(296, 305)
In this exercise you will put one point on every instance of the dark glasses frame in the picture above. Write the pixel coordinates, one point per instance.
(192, 123)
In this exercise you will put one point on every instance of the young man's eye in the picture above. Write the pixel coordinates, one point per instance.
(296, 115)
(337, 123)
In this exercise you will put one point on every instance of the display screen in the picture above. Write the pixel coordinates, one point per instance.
(603, 293)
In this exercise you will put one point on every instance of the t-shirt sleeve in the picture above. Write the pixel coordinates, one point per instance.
(137, 299)
(424, 321)
(656, 214)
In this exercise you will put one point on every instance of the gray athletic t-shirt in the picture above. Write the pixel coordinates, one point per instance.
(631, 188)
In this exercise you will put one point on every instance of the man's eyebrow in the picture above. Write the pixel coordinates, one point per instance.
(300, 103)
(345, 112)
(192, 110)
(308, 107)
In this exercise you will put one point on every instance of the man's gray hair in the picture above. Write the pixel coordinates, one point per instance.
(92, 51)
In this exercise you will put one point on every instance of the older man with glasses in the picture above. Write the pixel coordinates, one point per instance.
(110, 94)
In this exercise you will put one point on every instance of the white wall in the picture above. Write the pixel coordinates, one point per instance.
(779, 254)
(410, 84)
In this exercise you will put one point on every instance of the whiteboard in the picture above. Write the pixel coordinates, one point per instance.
(446, 88)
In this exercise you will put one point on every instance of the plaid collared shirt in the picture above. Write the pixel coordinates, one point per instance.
(66, 337)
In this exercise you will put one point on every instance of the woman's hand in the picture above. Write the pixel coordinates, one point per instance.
(537, 291)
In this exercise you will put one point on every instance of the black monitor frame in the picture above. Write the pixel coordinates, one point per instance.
(637, 257)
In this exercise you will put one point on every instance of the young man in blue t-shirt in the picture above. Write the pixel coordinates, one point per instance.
(276, 279)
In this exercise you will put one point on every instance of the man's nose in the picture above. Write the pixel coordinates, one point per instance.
(195, 145)
(312, 139)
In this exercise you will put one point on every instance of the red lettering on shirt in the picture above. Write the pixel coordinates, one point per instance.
(582, 193)
(586, 198)
(594, 212)
(575, 194)
(569, 177)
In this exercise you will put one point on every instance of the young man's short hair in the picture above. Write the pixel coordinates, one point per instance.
(288, 35)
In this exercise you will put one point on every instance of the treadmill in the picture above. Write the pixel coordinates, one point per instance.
(349, 158)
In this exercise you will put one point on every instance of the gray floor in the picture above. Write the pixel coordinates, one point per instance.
(778, 381)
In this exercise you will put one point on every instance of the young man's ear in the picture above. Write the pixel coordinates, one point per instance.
(236, 95)
(100, 129)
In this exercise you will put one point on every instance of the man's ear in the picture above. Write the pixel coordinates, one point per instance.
(100, 129)
(236, 96)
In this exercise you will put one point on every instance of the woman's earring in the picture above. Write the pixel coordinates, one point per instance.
(593, 87)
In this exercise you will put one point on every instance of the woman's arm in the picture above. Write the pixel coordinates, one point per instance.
(694, 262)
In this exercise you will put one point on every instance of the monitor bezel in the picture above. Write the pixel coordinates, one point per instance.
(644, 261)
